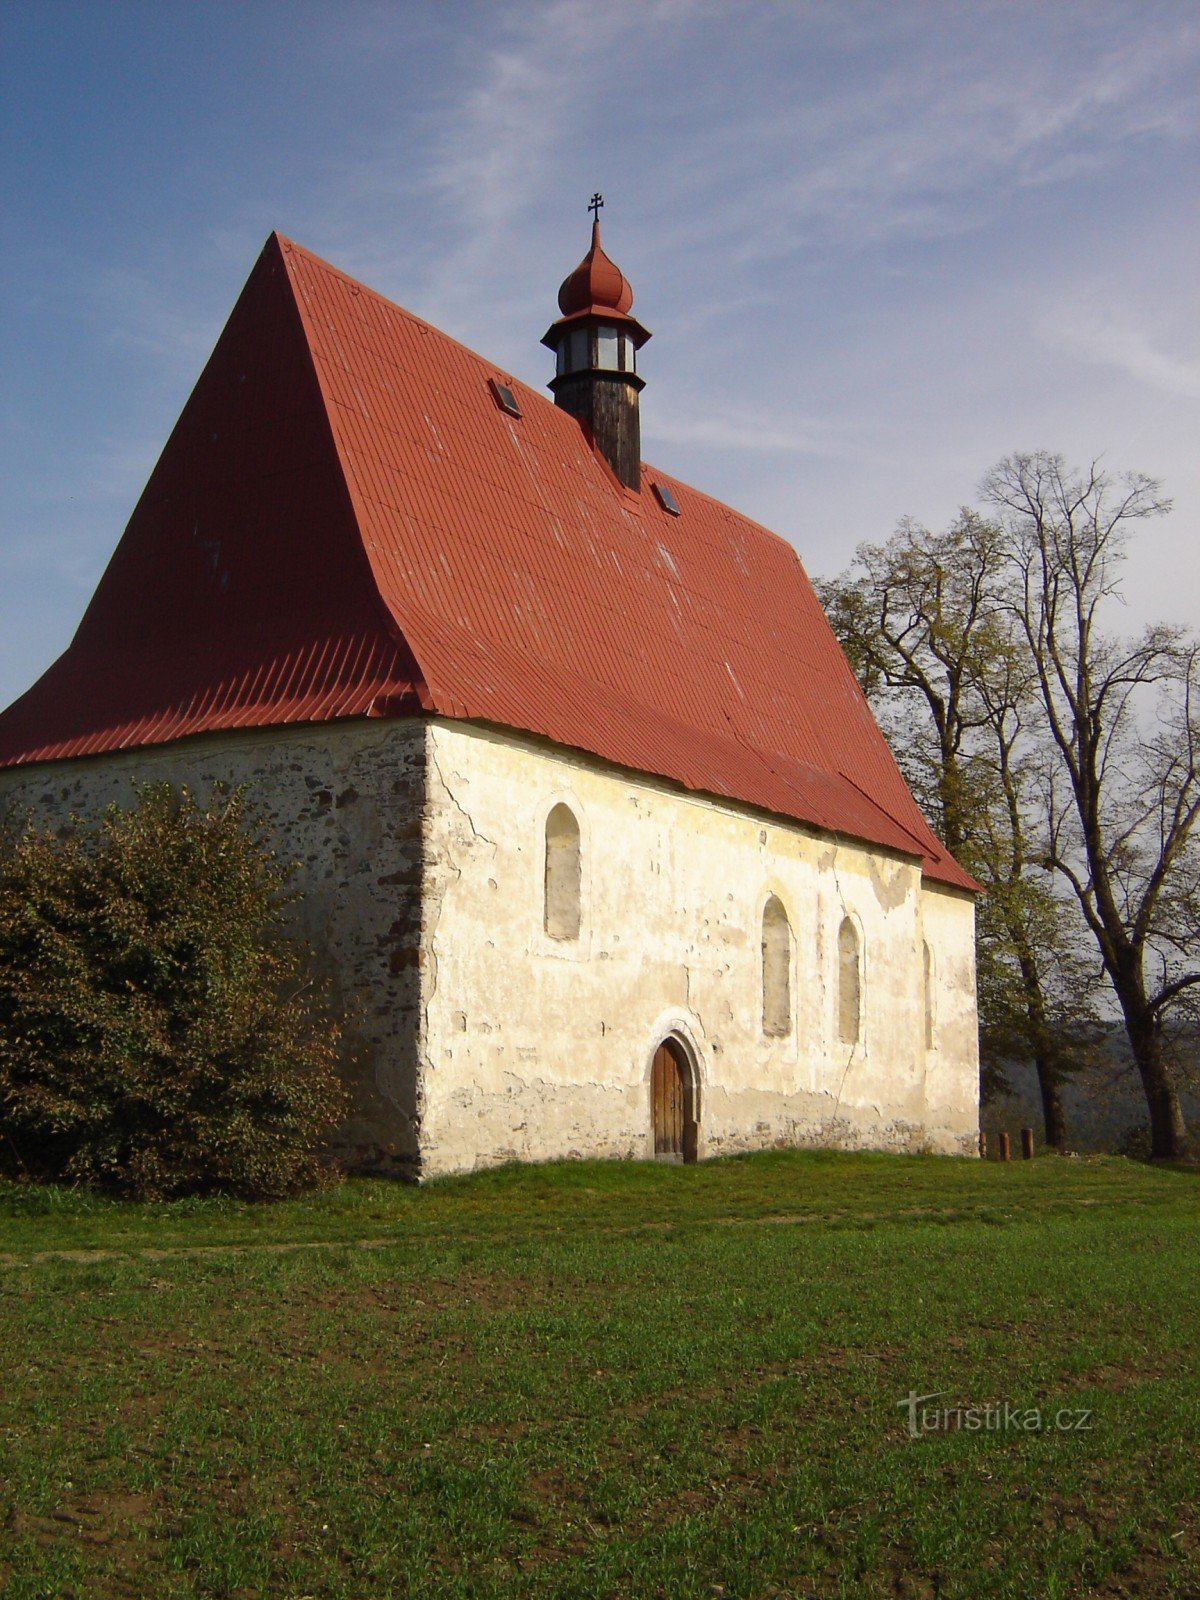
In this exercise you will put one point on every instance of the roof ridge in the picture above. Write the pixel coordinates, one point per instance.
(723, 505)
(388, 618)
(289, 245)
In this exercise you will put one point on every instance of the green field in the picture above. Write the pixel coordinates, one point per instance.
(609, 1380)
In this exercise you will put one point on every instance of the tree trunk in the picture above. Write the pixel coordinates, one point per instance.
(1053, 1117)
(1168, 1131)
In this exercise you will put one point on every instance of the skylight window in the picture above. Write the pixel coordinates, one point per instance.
(666, 499)
(505, 398)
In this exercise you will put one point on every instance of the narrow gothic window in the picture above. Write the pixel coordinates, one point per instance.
(849, 983)
(928, 961)
(776, 970)
(561, 918)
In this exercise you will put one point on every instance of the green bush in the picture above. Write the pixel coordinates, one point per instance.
(158, 1033)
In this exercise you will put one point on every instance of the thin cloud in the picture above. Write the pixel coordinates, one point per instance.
(1109, 336)
(931, 142)
(532, 108)
(768, 434)
(149, 315)
(864, 236)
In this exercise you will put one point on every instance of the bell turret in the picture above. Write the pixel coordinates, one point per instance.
(595, 343)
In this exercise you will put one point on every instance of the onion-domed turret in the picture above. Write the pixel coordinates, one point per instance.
(597, 283)
(595, 343)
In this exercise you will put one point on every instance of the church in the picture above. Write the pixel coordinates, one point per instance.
(600, 849)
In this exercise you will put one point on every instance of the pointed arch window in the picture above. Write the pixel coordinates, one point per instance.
(849, 983)
(927, 968)
(561, 914)
(776, 970)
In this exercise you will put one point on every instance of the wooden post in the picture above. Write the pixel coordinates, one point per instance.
(982, 1145)
(1027, 1143)
(1004, 1152)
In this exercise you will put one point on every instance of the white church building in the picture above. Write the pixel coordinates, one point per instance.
(600, 847)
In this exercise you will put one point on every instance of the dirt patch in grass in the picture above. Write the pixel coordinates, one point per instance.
(119, 1530)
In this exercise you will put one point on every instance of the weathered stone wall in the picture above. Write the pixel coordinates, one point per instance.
(537, 1047)
(344, 801)
(477, 1036)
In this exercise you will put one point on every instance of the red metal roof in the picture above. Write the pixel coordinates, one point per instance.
(345, 523)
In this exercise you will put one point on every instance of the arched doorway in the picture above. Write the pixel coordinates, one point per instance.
(673, 1103)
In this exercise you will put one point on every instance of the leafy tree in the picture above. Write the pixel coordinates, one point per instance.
(158, 1035)
(912, 616)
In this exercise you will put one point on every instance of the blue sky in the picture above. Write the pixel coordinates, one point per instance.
(879, 245)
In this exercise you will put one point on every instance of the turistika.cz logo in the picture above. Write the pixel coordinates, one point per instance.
(995, 1416)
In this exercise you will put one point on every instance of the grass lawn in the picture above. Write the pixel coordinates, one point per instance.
(609, 1380)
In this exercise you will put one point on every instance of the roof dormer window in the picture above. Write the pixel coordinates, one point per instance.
(504, 397)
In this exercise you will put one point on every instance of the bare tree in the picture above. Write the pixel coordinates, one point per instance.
(1124, 792)
(921, 621)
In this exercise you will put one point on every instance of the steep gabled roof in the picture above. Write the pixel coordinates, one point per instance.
(345, 523)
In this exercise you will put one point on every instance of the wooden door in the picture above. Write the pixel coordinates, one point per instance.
(668, 1101)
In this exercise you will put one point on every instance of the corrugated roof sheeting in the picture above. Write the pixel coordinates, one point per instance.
(537, 593)
(343, 483)
(240, 594)
(119, 708)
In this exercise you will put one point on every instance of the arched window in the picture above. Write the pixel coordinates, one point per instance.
(849, 983)
(927, 956)
(776, 970)
(561, 918)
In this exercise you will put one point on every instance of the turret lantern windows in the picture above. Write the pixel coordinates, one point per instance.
(599, 348)
(606, 349)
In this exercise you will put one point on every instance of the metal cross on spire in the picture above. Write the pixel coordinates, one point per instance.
(594, 205)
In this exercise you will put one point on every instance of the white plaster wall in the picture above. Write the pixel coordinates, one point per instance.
(534, 1048)
(344, 802)
(952, 1065)
(476, 1038)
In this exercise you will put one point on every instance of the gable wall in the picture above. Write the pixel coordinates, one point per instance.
(536, 1047)
(344, 802)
